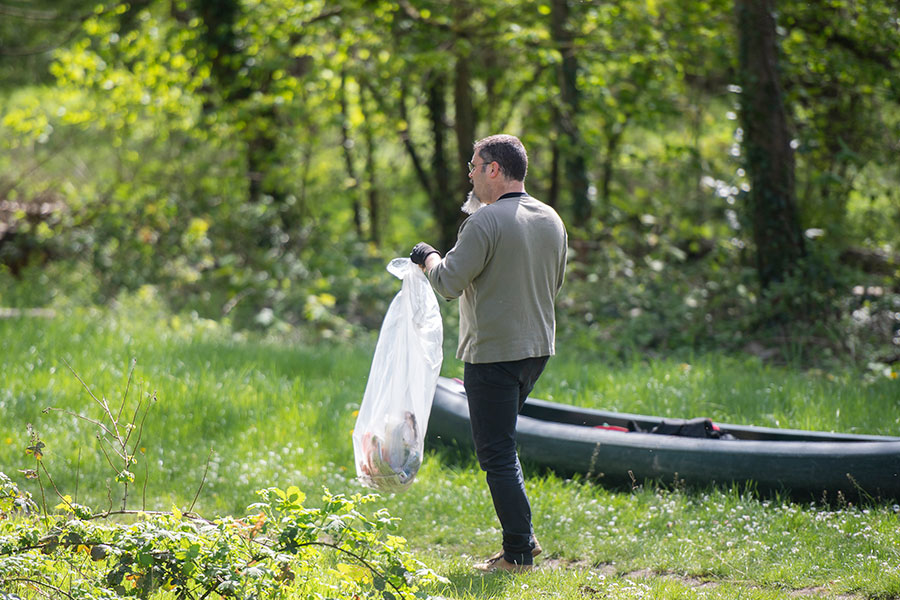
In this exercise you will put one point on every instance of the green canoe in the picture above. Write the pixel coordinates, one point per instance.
(806, 465)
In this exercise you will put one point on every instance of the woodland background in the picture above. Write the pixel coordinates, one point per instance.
(727, 169)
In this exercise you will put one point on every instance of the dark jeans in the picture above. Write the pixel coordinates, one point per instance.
(496, 393)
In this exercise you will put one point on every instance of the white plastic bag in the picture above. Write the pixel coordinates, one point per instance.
(389, 437)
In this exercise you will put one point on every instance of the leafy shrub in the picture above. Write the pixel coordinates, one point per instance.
(622, 303)
(280, 549)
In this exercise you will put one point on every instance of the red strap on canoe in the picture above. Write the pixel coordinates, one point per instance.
(611, 428)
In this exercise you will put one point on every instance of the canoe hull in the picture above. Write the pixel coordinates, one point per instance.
(804, 465)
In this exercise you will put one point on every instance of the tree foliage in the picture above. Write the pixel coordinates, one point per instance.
(260, 159)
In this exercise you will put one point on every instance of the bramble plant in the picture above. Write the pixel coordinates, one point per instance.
(280, 549)
(114, 432)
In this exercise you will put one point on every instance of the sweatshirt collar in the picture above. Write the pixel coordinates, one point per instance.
(512, 195)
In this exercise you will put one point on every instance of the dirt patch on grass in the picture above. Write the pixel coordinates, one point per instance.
(697, 583)
(815, 592)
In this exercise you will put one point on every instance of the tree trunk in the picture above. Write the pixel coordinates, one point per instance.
(768, 155)
(371, 175)
(440, 172)
(613, 137)
(553, 199)
(372, 190)
(573, 148)
(347, 147)
(464, 127)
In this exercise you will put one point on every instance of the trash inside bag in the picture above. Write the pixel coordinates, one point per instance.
(395, 459)
(389, 437)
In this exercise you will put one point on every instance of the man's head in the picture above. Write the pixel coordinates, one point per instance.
(498, 167)
(507, 151)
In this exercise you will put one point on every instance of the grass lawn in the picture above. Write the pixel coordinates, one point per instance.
(280, 412)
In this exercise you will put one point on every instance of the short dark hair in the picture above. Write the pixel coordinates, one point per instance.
(507, 151)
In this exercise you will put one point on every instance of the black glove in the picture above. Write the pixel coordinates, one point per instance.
(420, 252)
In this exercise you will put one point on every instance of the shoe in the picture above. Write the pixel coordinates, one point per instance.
(499, 563)
(534, 552)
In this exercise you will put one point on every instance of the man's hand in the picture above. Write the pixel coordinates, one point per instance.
(420, 252)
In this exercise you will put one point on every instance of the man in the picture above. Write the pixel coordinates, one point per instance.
(507, 268)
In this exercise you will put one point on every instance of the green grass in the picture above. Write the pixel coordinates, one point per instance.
(280, 413)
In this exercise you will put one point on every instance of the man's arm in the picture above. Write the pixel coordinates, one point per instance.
(450, 275)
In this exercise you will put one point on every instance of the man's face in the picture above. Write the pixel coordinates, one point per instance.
(478, 177)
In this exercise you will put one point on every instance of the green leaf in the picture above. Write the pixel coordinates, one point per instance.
(295, 496)
(354, 573)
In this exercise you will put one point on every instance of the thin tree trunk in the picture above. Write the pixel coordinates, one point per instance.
(371, 179)
(609, 160)
(768, 154)
(553, 199)
(464, 124)
(347, 147)
(440, 171)
(372, 191)
(573, 150)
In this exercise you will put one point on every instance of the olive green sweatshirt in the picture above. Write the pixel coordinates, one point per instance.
(506, 268)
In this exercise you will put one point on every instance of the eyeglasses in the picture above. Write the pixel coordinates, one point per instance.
(473, 165)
